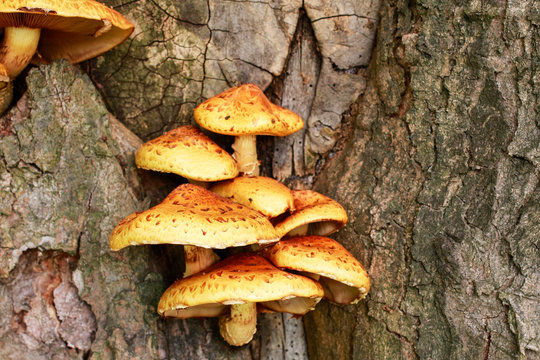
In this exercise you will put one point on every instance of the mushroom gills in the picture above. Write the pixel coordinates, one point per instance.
(204, 310)
(338, 292)
(296, 305)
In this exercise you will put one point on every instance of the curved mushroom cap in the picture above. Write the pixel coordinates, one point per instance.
(188, 152)
(343, 278)
(323, 214)
(191, 215)
(245, 110)
(236, 280)
(264, 194)
(71, 29)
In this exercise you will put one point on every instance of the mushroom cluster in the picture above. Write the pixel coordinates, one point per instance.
(290, 263)
(41, 31)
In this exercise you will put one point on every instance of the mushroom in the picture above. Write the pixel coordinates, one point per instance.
(45, 30)
(264, 194)
(187, 152)
(245, 112)
(315, 214)
(6, 89)
(192, 215)
(231, 290)
(344, 279)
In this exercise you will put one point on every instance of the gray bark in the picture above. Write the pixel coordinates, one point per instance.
(430, 140)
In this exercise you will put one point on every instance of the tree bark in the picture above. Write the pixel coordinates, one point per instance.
(440, 178)
(421, 119)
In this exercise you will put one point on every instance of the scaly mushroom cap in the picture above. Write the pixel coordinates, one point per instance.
(343, 278)
(264, 194)
(323, 214)
(188, 152)
(236, 280)
(191, 215)
(245, 110)
(71, 29)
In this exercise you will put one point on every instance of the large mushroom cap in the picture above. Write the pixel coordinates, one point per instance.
(323, 214)
(236, 280)
(245, 110)
(343, 278)
(191, 215)
(264, 194)
(188, 152)
(72, 29)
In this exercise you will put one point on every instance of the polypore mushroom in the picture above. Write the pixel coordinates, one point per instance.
(245, 112)
(232, 288)
(344, 279)
(187, 152)
(192, 215)
(45, 30)
(264, 194)
(315, 214)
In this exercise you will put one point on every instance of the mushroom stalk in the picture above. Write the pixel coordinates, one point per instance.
(18, 48)
(239, 327)
(197, 259)
(245, 154)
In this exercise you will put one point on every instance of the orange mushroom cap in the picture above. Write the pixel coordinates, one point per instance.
(245, 110)
(72, 29)
(323, 214)
(188, 152)
(343, 278)
(191, 215)
(236, 280)
(264, 194)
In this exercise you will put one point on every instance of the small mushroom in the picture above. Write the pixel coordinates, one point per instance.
(264, 194)
(232, 288)
(315, 214)
(45, 30)
(192, 215)
(344, 279)
(245, 112)
(187, 152)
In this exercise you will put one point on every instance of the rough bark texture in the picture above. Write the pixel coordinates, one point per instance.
(441, 181)
(430, 140)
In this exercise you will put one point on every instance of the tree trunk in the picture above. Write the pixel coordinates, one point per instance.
(421, 119)
(440, 177)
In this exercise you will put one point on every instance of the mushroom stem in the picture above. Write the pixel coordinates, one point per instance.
(18, 48)
(197, 259)
(239, 327)
(245, 154)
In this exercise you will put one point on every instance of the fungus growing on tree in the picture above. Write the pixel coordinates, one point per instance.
(231, 290)
(245, 112)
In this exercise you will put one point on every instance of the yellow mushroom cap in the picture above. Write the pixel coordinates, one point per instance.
(236, 280)
(71, 29)
(188, 152)
(329, 259)
(324, 215)
(245, 110)
(191, 215)
(264, 194)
